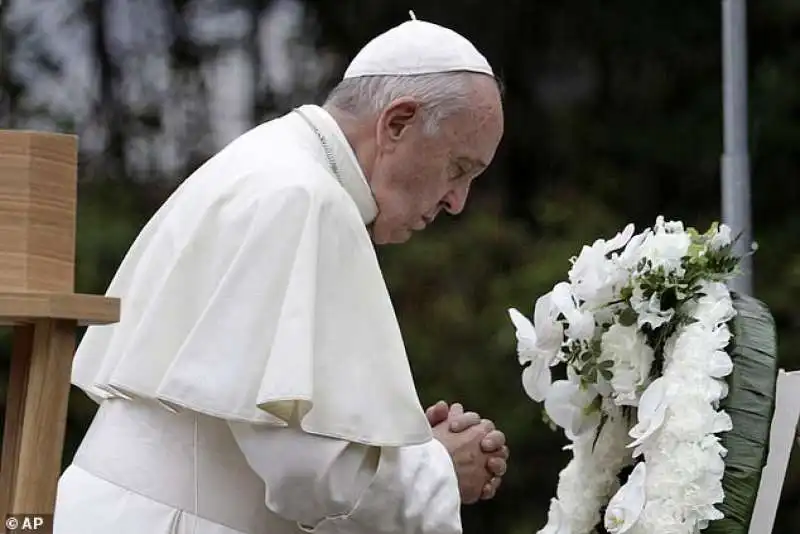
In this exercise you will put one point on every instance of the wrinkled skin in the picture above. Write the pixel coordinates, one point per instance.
(415, 175)
(479, 451)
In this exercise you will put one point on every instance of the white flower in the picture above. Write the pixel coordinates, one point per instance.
(663, 517)
(536, 379)
(721, 239)
(549, 330)
(626, 506)
(557, 520)
(649, 310)
(689, 475)
(716, 305)
(609, 449)
(718, 364)
(536, 350)
(652, 412)
(666, 246)
(632, 357)
(580, 321)
(701, 347)
(632, 253)
(569, 406)
(580, 491)
(594, 277)
(671, 227)
(677, 487)
(590, 478)
(697, 419)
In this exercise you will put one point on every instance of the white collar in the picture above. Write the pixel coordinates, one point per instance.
(350, 174)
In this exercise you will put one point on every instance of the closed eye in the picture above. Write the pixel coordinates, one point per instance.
(457, 172)
(464, 166)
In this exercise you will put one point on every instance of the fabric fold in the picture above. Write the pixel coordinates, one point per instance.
(257, 299)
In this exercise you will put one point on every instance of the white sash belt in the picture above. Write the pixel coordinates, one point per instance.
(184, 460)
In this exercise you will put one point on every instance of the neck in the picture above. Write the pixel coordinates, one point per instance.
(359, 135)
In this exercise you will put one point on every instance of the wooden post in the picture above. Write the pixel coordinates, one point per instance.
(38, 199)
(781, 442)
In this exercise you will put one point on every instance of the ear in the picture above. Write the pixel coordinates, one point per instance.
(396, 120)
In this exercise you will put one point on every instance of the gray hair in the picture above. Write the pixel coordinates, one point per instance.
(441, 95)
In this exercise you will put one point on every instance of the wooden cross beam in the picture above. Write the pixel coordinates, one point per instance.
(38, 200)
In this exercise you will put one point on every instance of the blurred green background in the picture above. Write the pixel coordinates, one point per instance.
(614, 114)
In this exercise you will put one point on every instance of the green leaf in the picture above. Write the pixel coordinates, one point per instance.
(626, 293)
(628, 317)
(603, 421)
(751, 404)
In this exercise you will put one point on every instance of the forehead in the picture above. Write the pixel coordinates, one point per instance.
(483, 112)
(475, 133)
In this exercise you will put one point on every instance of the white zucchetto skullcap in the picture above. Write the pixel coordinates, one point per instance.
(417, 47)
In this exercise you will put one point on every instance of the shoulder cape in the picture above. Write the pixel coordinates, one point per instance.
(260, 300)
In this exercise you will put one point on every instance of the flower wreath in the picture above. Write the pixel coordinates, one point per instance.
(669, 387)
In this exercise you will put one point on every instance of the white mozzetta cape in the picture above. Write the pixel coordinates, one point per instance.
(255, 291)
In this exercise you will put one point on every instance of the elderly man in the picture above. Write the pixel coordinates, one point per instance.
(257, 382)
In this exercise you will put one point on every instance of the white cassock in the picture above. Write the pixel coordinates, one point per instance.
(257, 382)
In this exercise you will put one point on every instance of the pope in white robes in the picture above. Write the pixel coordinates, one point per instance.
(257, 382)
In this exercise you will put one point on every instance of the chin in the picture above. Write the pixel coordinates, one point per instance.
(393, 238)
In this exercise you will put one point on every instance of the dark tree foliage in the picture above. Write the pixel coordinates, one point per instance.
(613, 114)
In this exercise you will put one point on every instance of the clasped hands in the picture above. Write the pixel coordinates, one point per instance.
(478, 450)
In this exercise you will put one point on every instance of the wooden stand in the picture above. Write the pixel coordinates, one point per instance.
(38, 198)
(782, 436)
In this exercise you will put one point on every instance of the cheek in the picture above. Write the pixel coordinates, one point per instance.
(422, 191)
(414, 181)
(435, 187)
(417, 184)
(430, 181)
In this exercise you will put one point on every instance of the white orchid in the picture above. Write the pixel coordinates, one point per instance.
(595, 278)
(580, 321)
(631, 255)
(549, 330)
(570, 406)
(651, 414)
(538, 344)
(625, 507)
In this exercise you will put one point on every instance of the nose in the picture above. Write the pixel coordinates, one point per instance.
(455, 199)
